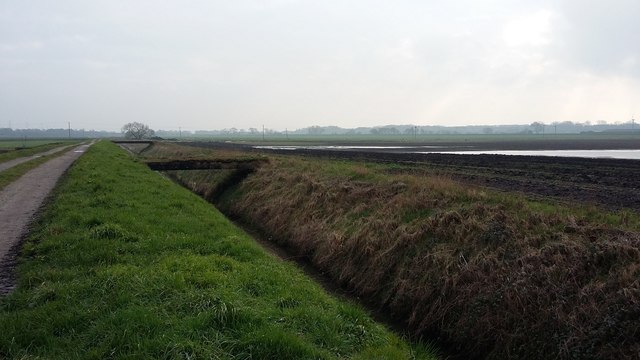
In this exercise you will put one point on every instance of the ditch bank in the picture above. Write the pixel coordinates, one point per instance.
(212, 186)
(597, 181)
(492, 274)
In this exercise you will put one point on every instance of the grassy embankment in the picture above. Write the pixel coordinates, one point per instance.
(10, 175)
(125, 264)
(159, 151)
(493, 273)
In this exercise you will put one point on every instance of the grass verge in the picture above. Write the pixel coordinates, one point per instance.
(125, 264)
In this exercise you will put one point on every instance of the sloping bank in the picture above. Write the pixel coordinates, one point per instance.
(125, 264)
(494, 274)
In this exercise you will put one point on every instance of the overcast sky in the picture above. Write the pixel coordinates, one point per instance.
(207, 64)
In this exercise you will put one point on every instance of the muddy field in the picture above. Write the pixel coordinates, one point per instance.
(610, 183)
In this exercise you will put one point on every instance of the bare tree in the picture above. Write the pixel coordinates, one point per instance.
(537, 127)
(315, 130)
(136, 130)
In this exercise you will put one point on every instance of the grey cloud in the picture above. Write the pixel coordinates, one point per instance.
(601, 36)
(294, 63)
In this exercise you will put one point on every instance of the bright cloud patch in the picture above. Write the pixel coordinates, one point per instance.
(529, 30)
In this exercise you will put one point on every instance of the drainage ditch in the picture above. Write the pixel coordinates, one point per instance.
(237, 172)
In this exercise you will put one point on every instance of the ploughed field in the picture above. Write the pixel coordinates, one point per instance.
(611, 183)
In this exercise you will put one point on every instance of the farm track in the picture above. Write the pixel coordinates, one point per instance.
(11, 163)
(19, 203)
(610, 183)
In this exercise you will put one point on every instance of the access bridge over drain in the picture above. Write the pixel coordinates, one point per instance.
(239, 170)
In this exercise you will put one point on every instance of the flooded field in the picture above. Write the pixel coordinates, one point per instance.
(630, 154)
(601, 154)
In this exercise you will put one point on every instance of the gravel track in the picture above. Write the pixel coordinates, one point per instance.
(20, 202)
(11, 163)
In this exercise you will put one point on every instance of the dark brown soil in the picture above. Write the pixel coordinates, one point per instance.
(611, 183)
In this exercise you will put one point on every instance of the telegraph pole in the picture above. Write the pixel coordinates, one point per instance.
(69, 126)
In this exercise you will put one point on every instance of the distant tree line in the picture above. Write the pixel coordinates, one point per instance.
(9, 133)
(564, 127)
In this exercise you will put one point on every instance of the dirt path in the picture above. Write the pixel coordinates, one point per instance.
(19, 202)
(11, 163)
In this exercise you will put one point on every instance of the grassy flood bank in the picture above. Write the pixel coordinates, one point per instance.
(495, 274)
(125, 264)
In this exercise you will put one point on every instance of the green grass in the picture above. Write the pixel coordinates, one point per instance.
(16, 143)
(124, 264)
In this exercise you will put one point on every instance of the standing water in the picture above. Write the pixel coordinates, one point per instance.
(611, 154)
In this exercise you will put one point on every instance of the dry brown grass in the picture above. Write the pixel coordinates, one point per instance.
(493, 274)
(206, 183)
(161, 150)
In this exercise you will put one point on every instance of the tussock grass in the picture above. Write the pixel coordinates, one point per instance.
(125, 264)
(493, 273)
(207, 183)
(163, 150)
